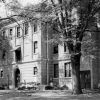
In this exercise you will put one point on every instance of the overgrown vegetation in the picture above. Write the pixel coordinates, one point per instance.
(74, 19)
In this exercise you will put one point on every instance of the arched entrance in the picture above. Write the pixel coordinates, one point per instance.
(17, 77)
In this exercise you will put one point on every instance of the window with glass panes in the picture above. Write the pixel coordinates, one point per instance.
(35, 46)
(35, 70)
(18, 31)
(10, 33)
(25, 28)
(68, 70)
(56, 71)
(35, 27)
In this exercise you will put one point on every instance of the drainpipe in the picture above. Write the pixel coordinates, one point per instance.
(47, 58)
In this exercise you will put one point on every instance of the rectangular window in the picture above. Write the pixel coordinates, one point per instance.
(4, 55)
(35, 47)
(18, 55)
(55, 49)
(18, 31)
(1, 74)
(35, 27)
(4, 34)
(10, 33)
(56, 71)
(65, 48)
(25, 28)
(35, 70)
(68, 70)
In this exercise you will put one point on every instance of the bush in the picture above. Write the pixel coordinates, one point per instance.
(28, 86)
(49, 87)
(64, 87)
(2, 88)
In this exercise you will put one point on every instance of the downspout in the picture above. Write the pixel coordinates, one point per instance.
(47, 58)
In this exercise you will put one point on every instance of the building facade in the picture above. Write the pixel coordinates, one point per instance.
(30, 58)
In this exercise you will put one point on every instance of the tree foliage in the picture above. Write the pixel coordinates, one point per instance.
(75, 21)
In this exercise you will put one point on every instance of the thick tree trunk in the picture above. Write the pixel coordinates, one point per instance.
(75, 61)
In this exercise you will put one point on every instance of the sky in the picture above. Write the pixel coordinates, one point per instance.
(23, 2)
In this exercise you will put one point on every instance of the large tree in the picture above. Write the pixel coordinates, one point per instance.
(74, 19)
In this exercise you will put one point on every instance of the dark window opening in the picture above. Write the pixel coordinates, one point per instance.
(4, 55)
(18, 55)
(35, 70)
(56, 71)
(18, 31)
(10, 33)
(35, 47)
(55, 49)
(68, 70)
(4, 34)
(65, 48)
(35, 27)
(26, 28)
(1, 73)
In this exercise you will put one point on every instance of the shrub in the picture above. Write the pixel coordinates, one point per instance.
(64, 87)
(28, 86)
(49, 88)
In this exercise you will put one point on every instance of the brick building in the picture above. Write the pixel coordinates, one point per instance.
(31, 59)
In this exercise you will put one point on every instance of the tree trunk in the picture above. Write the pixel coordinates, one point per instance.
(75, 61)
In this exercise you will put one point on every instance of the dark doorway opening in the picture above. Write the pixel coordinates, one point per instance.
(17, 77)
(85, 77)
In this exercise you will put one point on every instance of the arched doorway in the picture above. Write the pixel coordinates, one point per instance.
(17, 77)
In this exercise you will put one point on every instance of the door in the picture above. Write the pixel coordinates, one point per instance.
(85, 77)
(17, 77)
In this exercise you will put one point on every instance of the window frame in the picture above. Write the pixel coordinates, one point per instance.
(4, 34)
(18, 33)
(56, 70)
(55, 49)
(10, 33)
(65, 48)
(67, 71)
(26, 26)
(35, 47)
(35, 27)
(4, 54)
(1, 73)
(35, 70)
